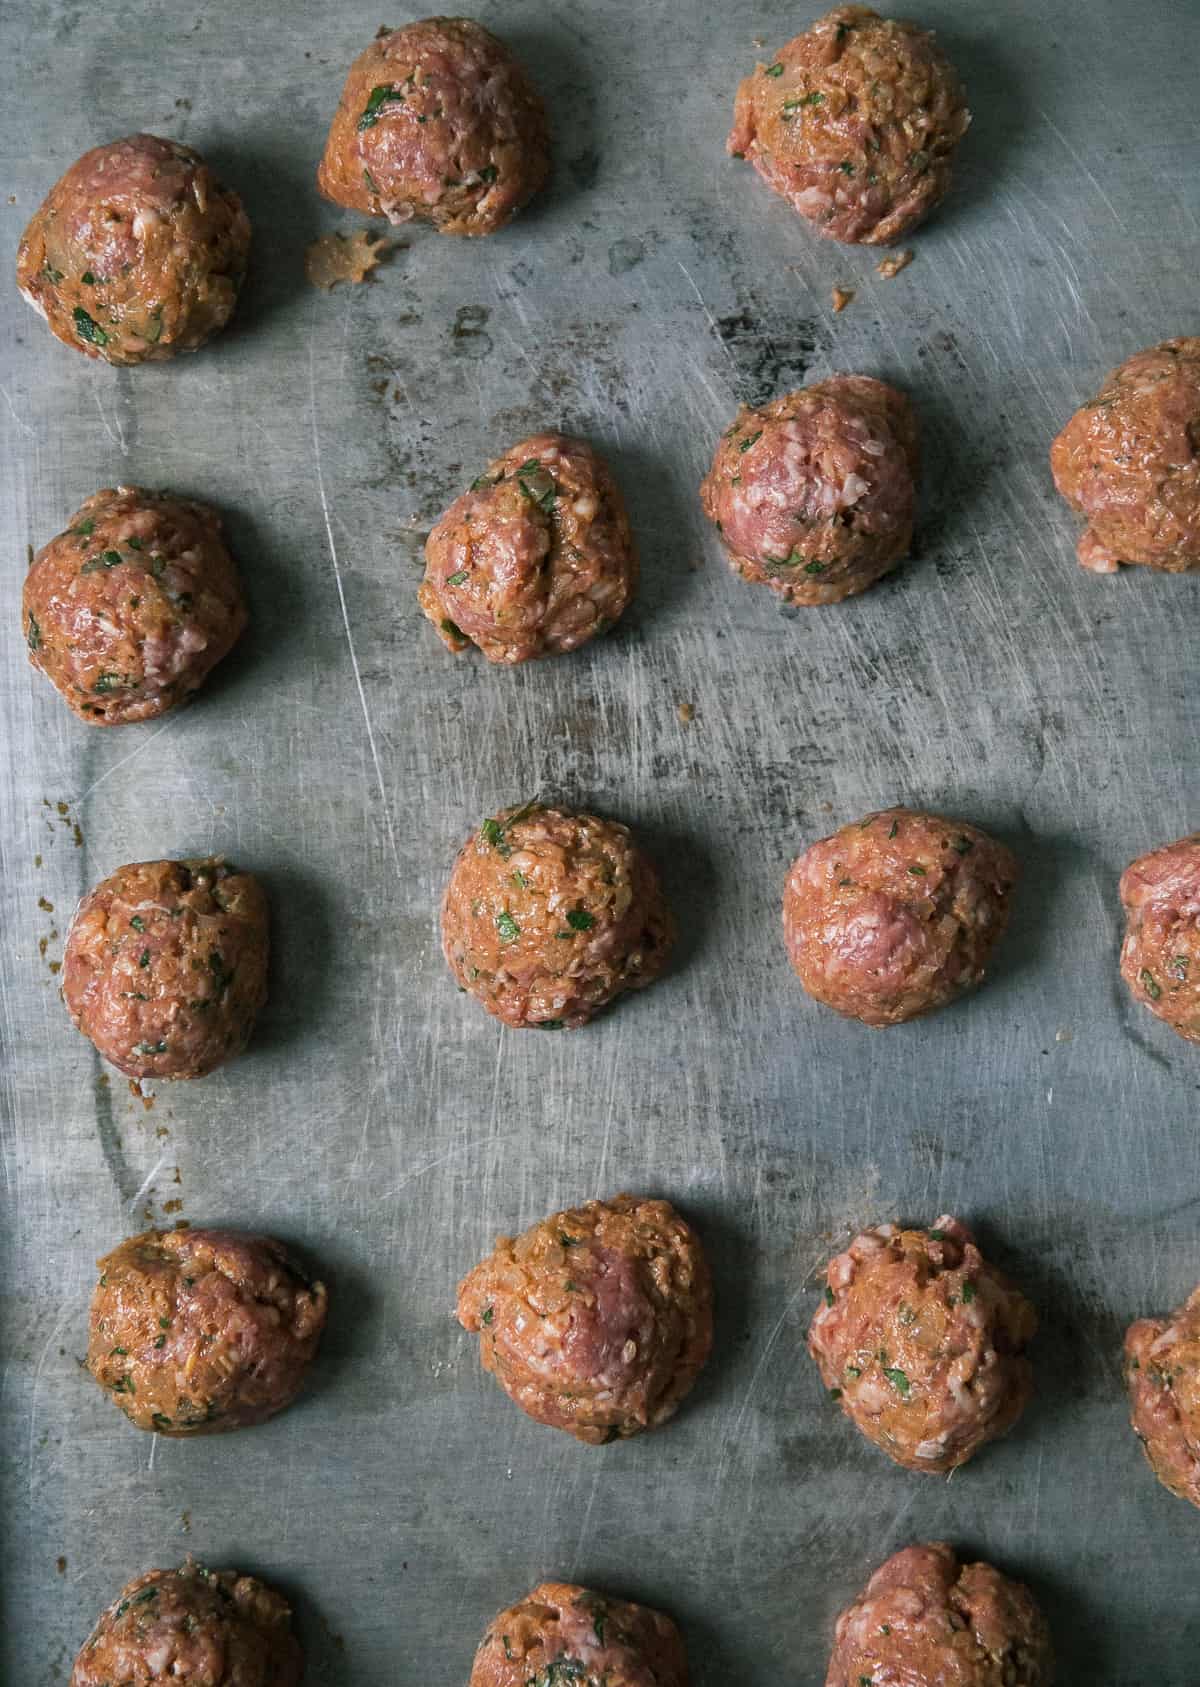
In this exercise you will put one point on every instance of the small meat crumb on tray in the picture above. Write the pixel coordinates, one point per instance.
(339, 257)
(893, 265)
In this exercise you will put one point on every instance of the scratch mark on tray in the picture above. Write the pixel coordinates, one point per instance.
(22, 425)
(1082, 163)
(337, 575)
(146, 1182)
(65, 1311)
(117, 437)
(109, 771)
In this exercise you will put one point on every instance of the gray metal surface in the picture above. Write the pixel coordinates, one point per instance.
(381, 1121)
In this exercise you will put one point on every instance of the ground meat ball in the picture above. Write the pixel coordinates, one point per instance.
(536, 558)
(598, 1320)
(854, 123)
(1160, 957)
(896, 914)
(437, 121)
(925, 1620)
(564, 1634)
(165, 966)
(814, 493)
(202, 1628)
(1162, 1373)
(1130, 463)
(200, 1331)
(129, 610)
(923, 1343)
(549, 916)
(136, 253)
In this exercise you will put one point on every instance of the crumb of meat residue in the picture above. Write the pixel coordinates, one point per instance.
(842, 296)
(185, 1522)
(686, 712)
(135, 1090)
(161, 1131)
(37, 860)
(893, 265)
(54, 966)
(102, 1081)
(173, 1206)
(826, 807)
(336, 257)
(60, 1564)
(46, 907)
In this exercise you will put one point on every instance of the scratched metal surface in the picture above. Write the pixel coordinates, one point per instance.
(381, 1121)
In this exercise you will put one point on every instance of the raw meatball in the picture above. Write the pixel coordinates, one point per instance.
(896, 914)
(855, 123)
(536, 558)
(598, 1320)
(129, 610)
(1160, 957)
(437, 120)
(196, 1331)
(136, 253)
(207, 1628)
(570, 1635)
(1162, 1372)
(1130, 463)
(923, 1344)
(165, 966)
(925, 1620)
(549, 916)
(814, 493)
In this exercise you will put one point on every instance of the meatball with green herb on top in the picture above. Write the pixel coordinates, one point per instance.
(192, 1627)
(129, 610)
(437, 121)
(925, 1619)
(195, 1332)
(561, 1635)
(1162, 1374)
(598, 1320)
(548, 917)
(137, 253)
(1160, 956)
(855, 123)
(896, 914)
(536, 558)
(815, 493)
(922, 1343)
(165, 966)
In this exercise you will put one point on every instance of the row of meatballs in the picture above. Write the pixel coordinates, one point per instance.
(129, 609)
(138, 252)
(548, 917)
(597, 1321)
(923, 1617)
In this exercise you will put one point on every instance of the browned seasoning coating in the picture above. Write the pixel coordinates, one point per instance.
(561, 1633)
(548, 917)
(1162, 1374)
(534, 559)
(922, 1344)
(165, 966)
(1160, 957)
(598, 1320)
(437, 121)
(129, 609)
(855, 123)
(814, 494)
(137, 253)
(195, 1332)
(192, 1627)
(926, 1620)
(1129, 462)
(896, 914)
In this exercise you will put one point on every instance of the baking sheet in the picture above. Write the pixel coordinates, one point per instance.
(381, 1121)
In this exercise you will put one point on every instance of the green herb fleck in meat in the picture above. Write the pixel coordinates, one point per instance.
(937, 1235)
(107, 682)
(124, 1385)
(1179, 966)
(54, 275)
(105, 559)
(489, 1312)
(457, 578)
(488, 173)
(34, 639)
(448, 626)
(835, 1393)
(137, 922)
(1150, 984)
(507, 927)
(968, 1293)
(160, 1341)
(829, 1297)
(85, 528)
(846, 167)
(580, 920)
(895, 827)
(537, 483)
(150, 1048)
(160, 1420)
(117, 1352)
(917, 871)
(382, 95)
(88, 329)
(144, 958)
(550, 1024)
(963, 846)
(815, 567)
(773, 70)
(750, 439)
(88, 279)
(372, 185)
(898, 1381)
(222, 975)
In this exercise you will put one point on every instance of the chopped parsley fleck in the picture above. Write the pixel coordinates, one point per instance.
(105, 559)
(750, 439)
(372, 185)
(124, 1385)
(85, 527)
(119, 1352)
(137, 922)
(828, 1295)
(107, 682)
(34, 638)
(846, 167)
(150, 1048)
(568, 1241)
(488, 173)
(580, 920)
(507, 927)
(1179, 966)
(898, 1381)
(88, 329)
(519, 879)
(88, 279)
(144, 958)
(1150, 984)
(456, 579)
(160, 1420)
(160, 1341)
(968, 1293)
(549, 1024)
(854, 1370)
(963, 846)
(222, 975)
(835, 1393)
(937, 1235)
(382, 95)
(489, 1312)
(895, 827)
(773, 70)
(815, 567)
(448, 626)
(537, 483)
(917, 871)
